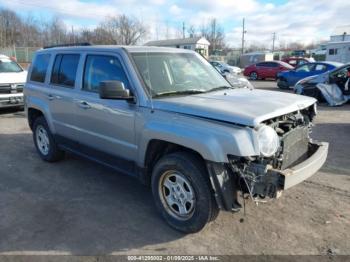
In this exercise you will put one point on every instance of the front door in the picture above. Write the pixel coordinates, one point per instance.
(106, 125)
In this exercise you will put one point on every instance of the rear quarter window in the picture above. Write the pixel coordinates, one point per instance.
(39, 69)
(65, 69)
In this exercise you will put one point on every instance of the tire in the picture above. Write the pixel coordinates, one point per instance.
(44, 141)
(253, 76)
(188, 171)
(282, 83)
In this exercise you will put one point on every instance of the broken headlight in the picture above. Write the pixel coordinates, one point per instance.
(268, 140)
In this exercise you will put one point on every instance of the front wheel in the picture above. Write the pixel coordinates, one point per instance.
(182, 192)
(282, 83)
(253, 76)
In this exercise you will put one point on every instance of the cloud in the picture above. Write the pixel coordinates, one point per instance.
(293, 20)
(175, 10)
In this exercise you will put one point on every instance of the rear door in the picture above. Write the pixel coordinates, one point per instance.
(61, 95)
(302, 72)
(105, 125)
(262, 69)
(273, 69)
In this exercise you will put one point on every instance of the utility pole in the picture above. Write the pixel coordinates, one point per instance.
(243, 33)
(73, 34)
(273, 41)
(183, 29)
(167, 30)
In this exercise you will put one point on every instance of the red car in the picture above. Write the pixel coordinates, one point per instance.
(267, 69)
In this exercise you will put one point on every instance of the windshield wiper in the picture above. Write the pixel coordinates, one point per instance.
(219, 88)
(182, 92)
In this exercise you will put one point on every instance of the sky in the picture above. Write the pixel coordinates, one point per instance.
(304, 21)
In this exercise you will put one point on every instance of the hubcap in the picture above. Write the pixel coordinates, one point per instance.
(253, 76)
(177, 195)
(42, 140)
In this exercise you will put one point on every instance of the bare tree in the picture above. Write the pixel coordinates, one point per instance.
(214, 33)
(191, 31)
(124, 30)
(28, 31)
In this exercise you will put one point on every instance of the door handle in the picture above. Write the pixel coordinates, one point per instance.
(84, 105)
(50, 97)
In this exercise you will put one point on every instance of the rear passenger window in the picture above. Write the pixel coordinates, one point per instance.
(320, 67)
(64, 70)
(100, 68)
(272, 64)
(40, 65)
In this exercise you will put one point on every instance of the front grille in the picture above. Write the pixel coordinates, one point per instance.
(295, 145)
(11, 88)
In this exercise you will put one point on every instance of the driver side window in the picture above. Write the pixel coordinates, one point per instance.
(341, 73)
(100, 68)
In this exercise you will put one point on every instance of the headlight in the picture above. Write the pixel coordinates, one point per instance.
(268, 140)
(315, 108)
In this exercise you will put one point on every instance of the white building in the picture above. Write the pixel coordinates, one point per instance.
(338, 48)
(198, 44)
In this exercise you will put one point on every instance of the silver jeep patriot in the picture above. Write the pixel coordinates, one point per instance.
(167, 117)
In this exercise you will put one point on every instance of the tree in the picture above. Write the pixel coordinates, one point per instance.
(214, 33)
(27, 31)
(122, 30)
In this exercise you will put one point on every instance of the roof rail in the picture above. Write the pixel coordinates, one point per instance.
(70, 44)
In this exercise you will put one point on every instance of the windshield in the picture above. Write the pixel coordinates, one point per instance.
(286, 65)
(8, 66)
(177, 73)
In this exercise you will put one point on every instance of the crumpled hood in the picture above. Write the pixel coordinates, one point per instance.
(12, 78)
(240, 106)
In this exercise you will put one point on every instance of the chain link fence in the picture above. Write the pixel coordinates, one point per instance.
(22, 54)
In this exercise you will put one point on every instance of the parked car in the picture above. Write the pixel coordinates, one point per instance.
(235, 80)
(168, 118)
(287, 79)
(12, 79)
(297, 61)
(268, 69)
(339, 77)
(226, 68)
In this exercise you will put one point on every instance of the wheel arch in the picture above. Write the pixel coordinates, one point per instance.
(156, 148)
(33, 113)
(36, 107)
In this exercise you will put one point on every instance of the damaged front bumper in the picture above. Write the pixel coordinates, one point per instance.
(262, 180)
(302, 171)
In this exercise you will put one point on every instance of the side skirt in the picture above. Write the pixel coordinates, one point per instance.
(117, 163)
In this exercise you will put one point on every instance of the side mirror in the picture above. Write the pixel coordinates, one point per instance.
(113, 89)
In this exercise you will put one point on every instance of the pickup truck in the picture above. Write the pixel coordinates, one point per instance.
(12, 79)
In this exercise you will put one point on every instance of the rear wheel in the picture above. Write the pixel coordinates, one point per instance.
(44, 141)
(182, 192)
(253, 76)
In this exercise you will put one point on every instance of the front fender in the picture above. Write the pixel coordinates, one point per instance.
(213, 140)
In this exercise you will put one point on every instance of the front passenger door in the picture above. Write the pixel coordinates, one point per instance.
(105, 125)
